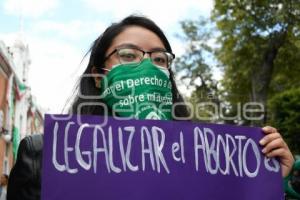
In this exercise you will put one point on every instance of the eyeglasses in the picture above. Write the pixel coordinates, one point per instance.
(133, 55)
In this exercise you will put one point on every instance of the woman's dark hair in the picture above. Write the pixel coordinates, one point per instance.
(82, 103)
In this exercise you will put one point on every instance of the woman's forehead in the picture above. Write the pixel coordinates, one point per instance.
(139, 37)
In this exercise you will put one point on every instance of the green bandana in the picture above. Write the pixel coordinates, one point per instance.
(140, 91)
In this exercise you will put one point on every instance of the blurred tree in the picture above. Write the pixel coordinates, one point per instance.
(193, 68)
(259, 48)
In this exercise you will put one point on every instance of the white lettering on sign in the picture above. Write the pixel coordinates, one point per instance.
(234, 151)
(223, 154)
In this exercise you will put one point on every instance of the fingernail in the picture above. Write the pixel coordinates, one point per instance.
(264, 150)
(262, 142)
(265, 129)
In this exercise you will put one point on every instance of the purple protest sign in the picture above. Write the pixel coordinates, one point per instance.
(89, 157)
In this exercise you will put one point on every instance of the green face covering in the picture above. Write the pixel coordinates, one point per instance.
(141, 91)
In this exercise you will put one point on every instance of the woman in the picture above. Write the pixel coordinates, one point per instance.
(134, 41)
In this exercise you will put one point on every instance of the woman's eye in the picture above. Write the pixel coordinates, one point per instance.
(128, 56)
(160, 60)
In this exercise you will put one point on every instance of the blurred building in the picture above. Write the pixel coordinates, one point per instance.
(19, 113)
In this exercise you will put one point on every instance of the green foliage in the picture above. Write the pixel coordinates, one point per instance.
(285, 115)
(259, 47)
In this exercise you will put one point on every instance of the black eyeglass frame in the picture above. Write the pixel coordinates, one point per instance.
(170, 55)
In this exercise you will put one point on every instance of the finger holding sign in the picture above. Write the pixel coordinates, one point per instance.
(274, 146)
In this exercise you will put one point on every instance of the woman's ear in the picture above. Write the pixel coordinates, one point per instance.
(96, 77)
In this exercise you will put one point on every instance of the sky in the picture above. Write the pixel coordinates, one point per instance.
(59, 33)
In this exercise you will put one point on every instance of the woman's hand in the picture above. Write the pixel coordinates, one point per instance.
(274, 146)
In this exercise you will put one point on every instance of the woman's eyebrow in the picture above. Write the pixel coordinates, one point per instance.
(130, 45)
(158, 49)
